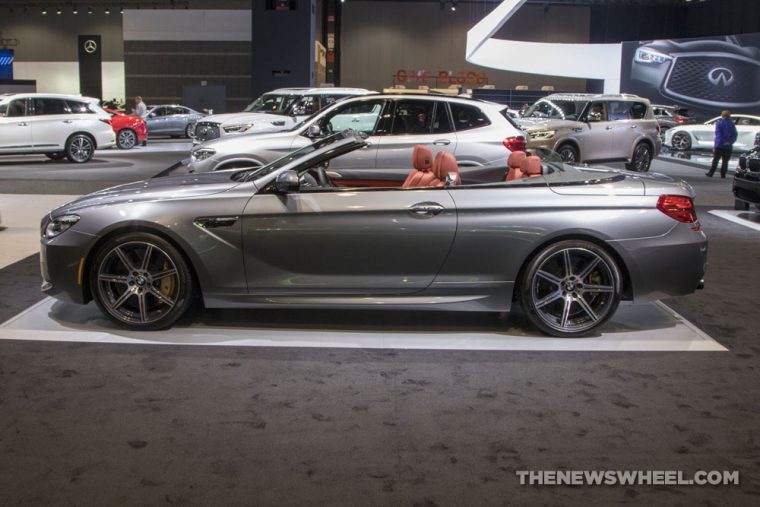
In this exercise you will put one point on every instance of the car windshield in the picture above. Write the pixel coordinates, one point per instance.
(272, 103)
(253, 174)
(558, 109)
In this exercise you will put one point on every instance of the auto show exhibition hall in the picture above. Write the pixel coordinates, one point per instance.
(365, 252)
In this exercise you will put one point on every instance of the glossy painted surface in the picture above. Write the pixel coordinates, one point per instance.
(121, 121)
(703, 136)
(383, 247)
(170, 119)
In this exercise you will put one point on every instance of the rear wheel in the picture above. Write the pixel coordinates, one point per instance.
(570, 288)
(189, 131)
(568, 153)
(80, 148)
(141, 281)
(58, 155)
(681, 141)
(642, 158)
(126, 140)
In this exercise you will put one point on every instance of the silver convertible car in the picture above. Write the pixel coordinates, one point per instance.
(566, 243)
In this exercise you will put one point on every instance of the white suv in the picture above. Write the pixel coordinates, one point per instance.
(55, 125)
(274, 111)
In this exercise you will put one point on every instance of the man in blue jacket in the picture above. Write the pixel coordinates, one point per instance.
(725, 137)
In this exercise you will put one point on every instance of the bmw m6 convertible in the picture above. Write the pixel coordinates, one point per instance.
(566, 243)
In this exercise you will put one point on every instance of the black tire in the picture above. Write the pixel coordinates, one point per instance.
(741, 205)
(566, 304)
(139, 294)
(681, 141)
(80, 148)
(569, 153)
(58, 155)
(641, 160)
(126, 139)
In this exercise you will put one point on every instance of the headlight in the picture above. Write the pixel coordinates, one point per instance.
(237, 128)
(199, 154)
(644, 55)
(59, 225)
(542, 134)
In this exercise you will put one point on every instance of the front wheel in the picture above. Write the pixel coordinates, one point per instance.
(568, 153)
(126, 140)
(681, 141)
(141, 281)
(641, 160)
(80, 148)
(570, 288)
(189, 131)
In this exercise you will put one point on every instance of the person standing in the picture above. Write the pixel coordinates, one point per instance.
(725, 137)
(140, 108)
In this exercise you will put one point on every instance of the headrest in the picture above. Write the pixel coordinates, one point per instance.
(531, 166)
(445, 163)
(422, 158)
(515, 159)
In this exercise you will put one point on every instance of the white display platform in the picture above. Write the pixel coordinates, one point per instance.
(749, 219)
(650, 327)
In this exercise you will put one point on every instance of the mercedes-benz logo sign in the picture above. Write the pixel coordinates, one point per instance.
(721, 76)
(90, 46)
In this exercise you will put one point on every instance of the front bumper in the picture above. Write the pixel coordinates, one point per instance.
(747, 186)
(62, 266)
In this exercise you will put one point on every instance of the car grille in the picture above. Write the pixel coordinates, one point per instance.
(205, 131)
(689, 78)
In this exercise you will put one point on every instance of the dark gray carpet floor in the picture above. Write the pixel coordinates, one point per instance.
(88, 424)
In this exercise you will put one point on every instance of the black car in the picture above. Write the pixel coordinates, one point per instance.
(747, 179)
(672, 116)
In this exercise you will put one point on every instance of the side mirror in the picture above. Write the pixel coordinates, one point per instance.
(287, 183)
(313, 131)
(152, 115)
(452, 179)
(594, 117)
(299, 111)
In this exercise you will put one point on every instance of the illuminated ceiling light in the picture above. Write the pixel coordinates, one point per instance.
(89, 10)
(108, 10)
(121, 9)
(44, 11)
(74, 10)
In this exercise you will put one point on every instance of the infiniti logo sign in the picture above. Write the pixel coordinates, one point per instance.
(721, 76)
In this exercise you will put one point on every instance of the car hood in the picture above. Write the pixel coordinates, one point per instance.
(532, 124)
(155, 189)
(242, 142)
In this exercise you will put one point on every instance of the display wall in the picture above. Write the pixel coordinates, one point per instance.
(381, 38)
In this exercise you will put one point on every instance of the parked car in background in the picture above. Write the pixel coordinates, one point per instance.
(171, 120)
(702, 137)
(130, 130)
(747, 179)
(480, 134)
(277, 110)
(672, 116)
(594, 128)
(57, 126)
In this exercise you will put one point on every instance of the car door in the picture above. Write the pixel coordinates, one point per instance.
(157, 120)
(335, 243)
(596, 140)
(368, 116)
(627, 128)
(179, 120)
(412, 122)
(15, 128)
(51, 123)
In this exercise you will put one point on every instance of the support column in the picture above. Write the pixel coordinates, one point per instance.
(282, 44)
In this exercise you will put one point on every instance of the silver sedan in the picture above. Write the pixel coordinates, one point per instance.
(171, 120)
(566, 243)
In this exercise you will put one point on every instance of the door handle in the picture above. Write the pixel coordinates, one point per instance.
(634, 126)
(68, 121)
(333, 175)
(442, 142)
(608, 127)
(23, 124)
(425, 209)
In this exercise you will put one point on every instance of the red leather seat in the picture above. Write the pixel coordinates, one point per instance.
(445, 164)
(531, 167)
(514, 163)
(421, 175)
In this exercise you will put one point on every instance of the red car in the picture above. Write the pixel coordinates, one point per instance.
(130, 130)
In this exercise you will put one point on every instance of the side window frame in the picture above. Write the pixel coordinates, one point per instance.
(443, 104)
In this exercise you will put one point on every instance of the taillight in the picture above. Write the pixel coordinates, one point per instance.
(679, 207)
(680, 119)
(515, 143)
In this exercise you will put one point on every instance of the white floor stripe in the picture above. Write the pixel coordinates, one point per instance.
(20, 215)
(749, 219)
(651, 327)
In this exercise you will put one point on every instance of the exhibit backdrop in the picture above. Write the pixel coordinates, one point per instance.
(6, 64)
(704, 75)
